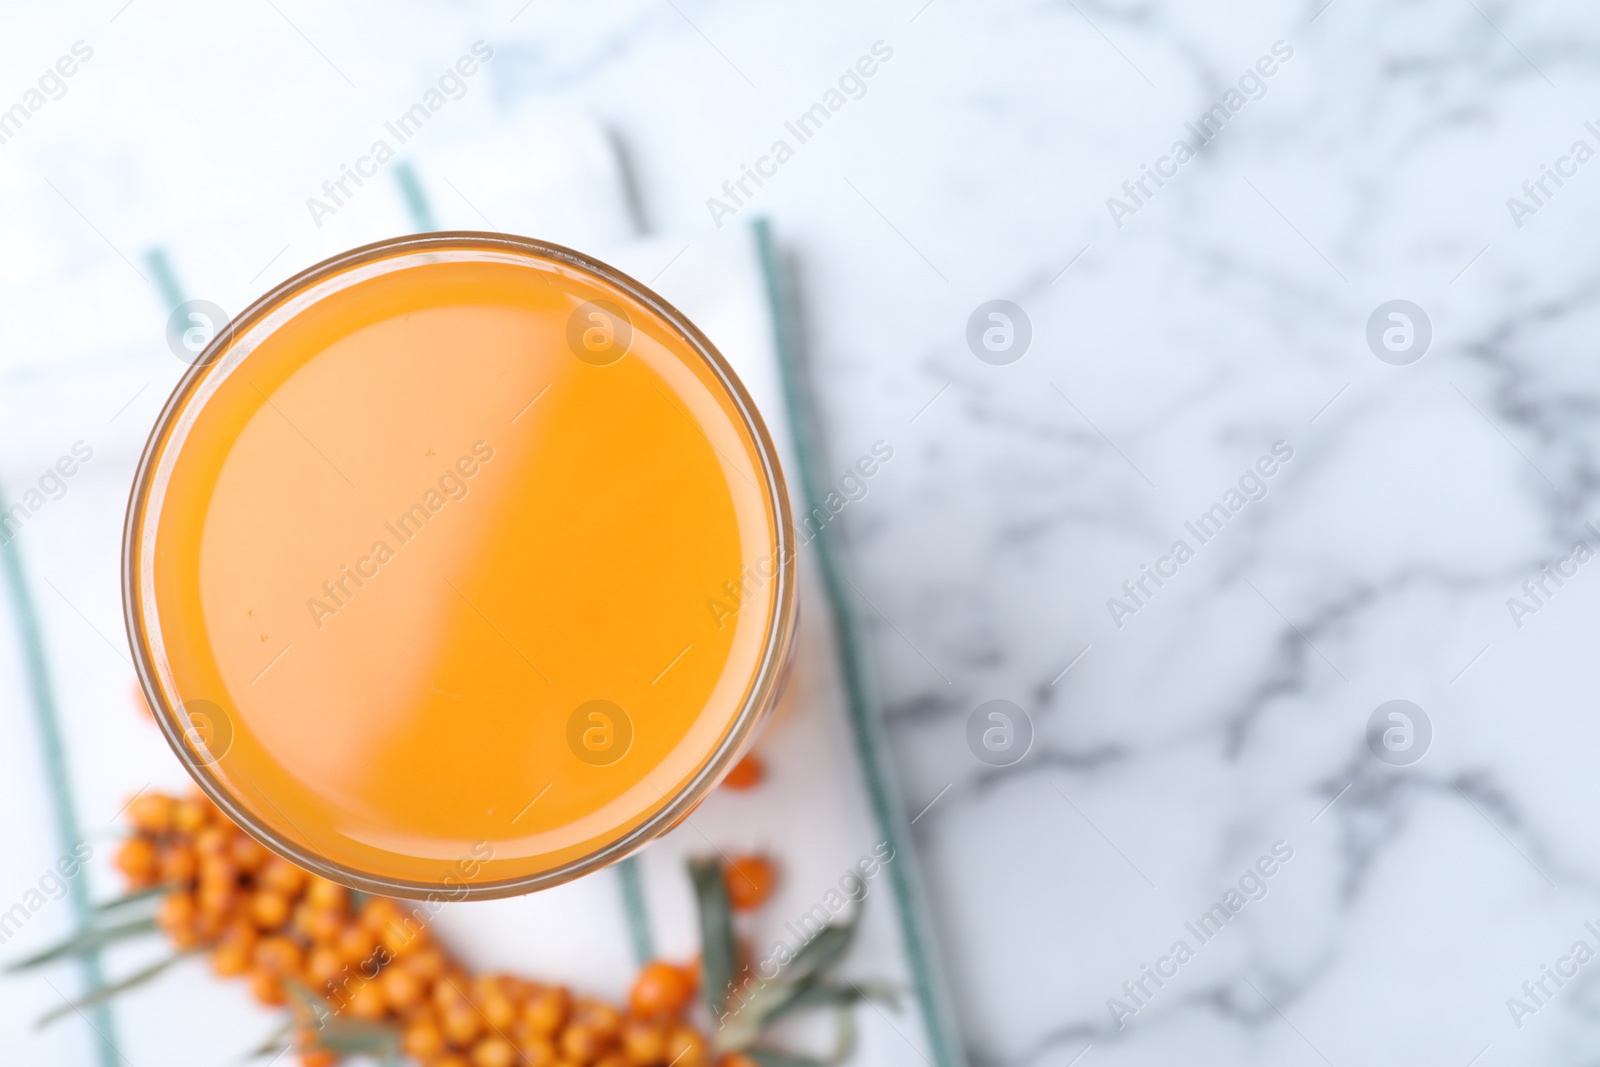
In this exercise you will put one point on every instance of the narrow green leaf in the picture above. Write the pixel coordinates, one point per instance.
(106, 992)
(355, 1044)
(824, 949)
(134, 897)
(844, 1041)
(746, 1017)
(83, 942)
(718, 953)
(347, 1029)
(302, 992)
(886, 992)
(746, 1020)
(352, 1037)
(341, 1033)
(742, 1023)
(767, 1057)
(272, 1045)
(816, 995)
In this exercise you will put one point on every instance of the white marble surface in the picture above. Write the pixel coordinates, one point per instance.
(1225, 315)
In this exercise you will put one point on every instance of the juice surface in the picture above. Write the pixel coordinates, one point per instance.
(448, 591)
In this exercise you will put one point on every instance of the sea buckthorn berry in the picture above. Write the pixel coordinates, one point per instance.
(643, 1042)
(401, 988)
(547, 1010)
(323, 967)
(278, 955)
(686, 1048)
(746, 774)
(737, 1059)
(355, 944)
(499, 1011)
(367, 1001)
(379, 912)
(151, 813)
(217, 869)
(750, 881)
(461, 1023)
(176, 917)
(447, 990)
(422, 1038)
(313, 925)
(598, 1014)
(538, 1052)
(325, 894)
(190, 816)
(196, 795)
(218, 898)
(278, 873)
(213, 841)
(231, 959)
(208, 926)
(614, 1059)
(269, 909)
(267, 989)
(494, 1051)
(300, 918)
(248, 854)
(311, 1051)
(427, 963)
(240, 931)
(324, 927)
(485, 986)
(138, 862)
(450, 1060)
(178, 864)
(583, 1043)
(405, 935)
(660, 990)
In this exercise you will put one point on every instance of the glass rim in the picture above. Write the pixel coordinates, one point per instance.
(764, 686)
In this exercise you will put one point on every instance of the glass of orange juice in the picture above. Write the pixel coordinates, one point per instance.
(459, 564)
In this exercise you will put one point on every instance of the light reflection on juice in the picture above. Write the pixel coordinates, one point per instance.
(453, 566)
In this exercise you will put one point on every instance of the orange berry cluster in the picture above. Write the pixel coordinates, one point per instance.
(267, 920)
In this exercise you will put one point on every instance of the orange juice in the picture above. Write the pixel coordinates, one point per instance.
(459, 562)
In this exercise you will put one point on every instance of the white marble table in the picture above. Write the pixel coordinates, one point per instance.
(1227, 313)
(1177, 336)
